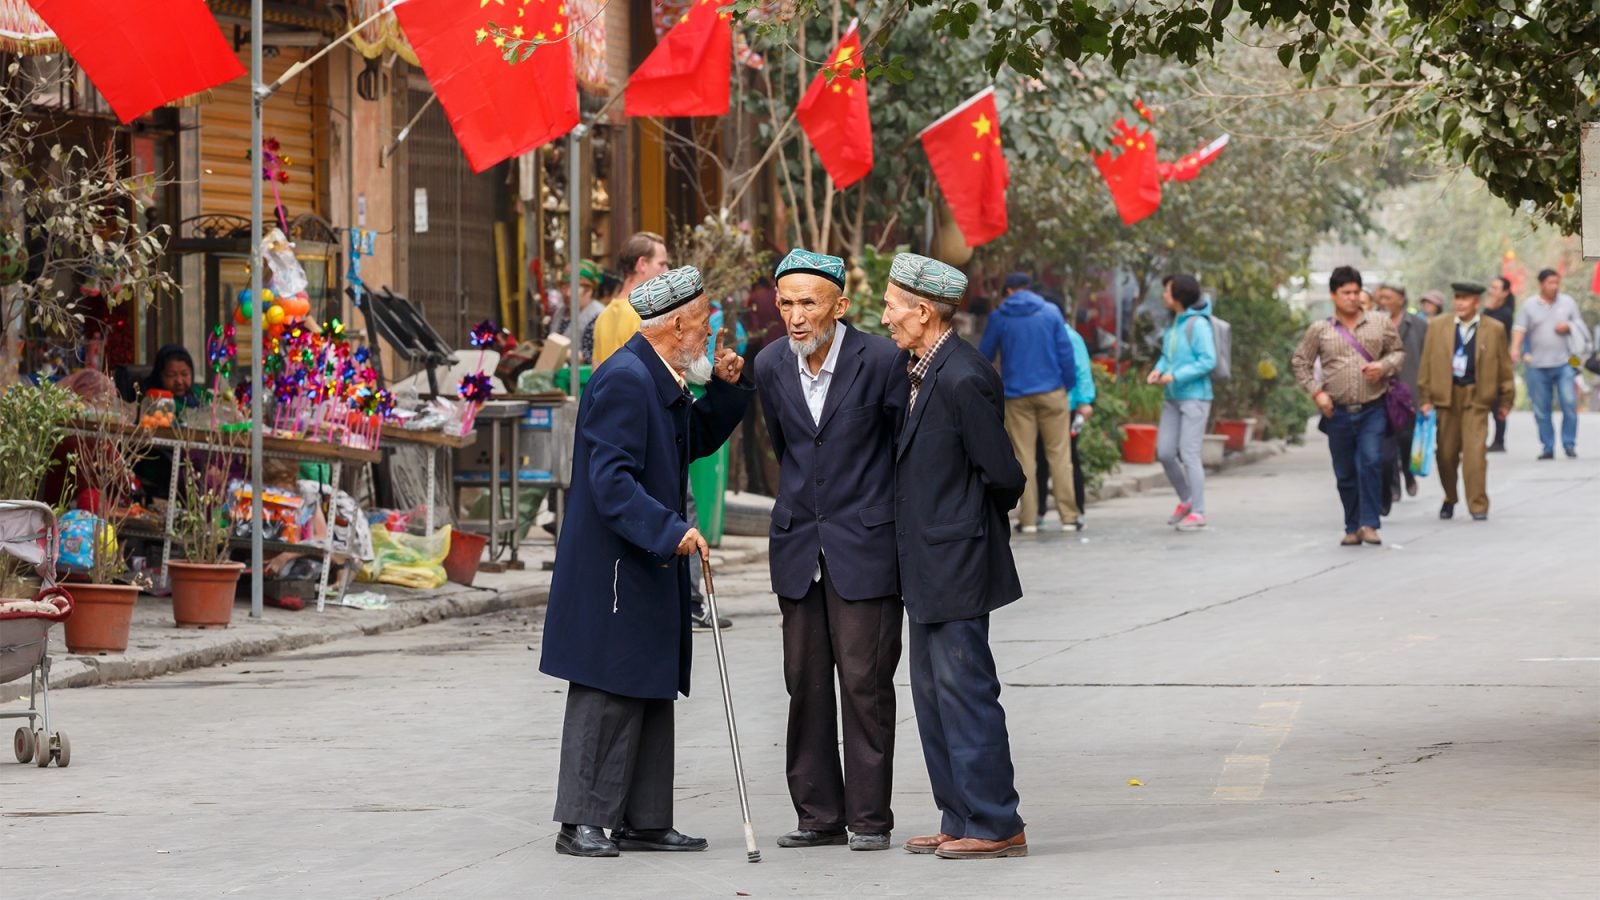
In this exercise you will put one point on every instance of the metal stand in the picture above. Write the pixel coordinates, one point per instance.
(327, 551)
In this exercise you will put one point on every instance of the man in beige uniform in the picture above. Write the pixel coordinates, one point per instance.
(1466, 373)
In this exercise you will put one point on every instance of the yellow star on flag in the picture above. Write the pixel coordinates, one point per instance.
(539, 36)
(499, 40)
(483, 3)
(837, 87)
(481, 35)
(516, 31)
(557, 27)
(850, 91)
(976, 156)
(983, 125)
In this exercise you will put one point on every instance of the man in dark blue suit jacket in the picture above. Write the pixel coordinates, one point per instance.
(617, 623)
(956, 479)
(828, 393)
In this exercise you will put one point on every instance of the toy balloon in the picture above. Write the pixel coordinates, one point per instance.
(267, 296)
(275, 315)
(241, 316)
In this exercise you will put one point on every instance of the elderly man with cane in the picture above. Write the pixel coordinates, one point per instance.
(956, 481)
(829, 395)
(617, 626)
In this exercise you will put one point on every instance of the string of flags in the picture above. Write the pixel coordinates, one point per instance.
(160, 51)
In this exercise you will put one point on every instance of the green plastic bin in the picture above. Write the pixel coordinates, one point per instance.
(564, 378)
(708, 480)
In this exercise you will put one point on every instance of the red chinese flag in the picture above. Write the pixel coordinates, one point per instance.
(498, 110)
(689, 72)
(1188, 167)
(1133, 174)
(834, 114)
(141, 54)
(964, 149)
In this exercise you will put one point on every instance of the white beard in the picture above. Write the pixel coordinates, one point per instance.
(804, 349)
(699, 370)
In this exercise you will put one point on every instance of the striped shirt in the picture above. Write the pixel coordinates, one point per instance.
(1341, 364)
(917, 369)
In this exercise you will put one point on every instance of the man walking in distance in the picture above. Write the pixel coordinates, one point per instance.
(617, 624)
(955, 483)
(829, 395)
(1036, 368)
(1501, 305)
(643, 257)
(1359, 353)
(1397, 446)
(1542, 328)
(1466, 374)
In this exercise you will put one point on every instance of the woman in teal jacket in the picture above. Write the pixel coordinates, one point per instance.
(1188, 354)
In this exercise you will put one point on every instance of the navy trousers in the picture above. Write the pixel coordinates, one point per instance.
(956, 694)
(1355, 441)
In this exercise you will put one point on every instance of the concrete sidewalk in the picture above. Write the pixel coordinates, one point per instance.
(156, 647)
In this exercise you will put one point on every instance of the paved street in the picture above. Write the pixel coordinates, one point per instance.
(1305, 719)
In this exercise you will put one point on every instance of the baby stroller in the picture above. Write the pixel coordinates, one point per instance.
(28, 533)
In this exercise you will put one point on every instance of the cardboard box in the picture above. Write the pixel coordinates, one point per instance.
(554, 355)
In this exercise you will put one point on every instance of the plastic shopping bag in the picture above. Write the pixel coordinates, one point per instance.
(1424, 438)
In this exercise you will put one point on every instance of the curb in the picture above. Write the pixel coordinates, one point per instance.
(1127, 485)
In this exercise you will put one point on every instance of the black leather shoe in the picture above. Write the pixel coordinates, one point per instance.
(700, 619)
(1495, 447)
(869, 840)
(1447, 511)
(1548, 454)
(806, 837)
(1572, 453)
(655, 839)
(584, 840)
(1479, 517)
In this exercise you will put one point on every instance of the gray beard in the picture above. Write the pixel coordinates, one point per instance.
(699, 370)
(804, 349)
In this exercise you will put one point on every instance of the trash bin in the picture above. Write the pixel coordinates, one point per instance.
(708, 479)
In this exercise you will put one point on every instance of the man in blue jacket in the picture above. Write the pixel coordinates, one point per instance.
(832, 397)
(1036, 366)
(617, 624)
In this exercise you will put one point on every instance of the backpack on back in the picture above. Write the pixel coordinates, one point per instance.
(1222, 340)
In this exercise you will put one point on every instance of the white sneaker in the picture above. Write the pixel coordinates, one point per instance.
(1030, 529)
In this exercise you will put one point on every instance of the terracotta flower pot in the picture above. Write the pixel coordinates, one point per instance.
(1139, 444)
(1236, 430)
(202, 595)
(101, 617)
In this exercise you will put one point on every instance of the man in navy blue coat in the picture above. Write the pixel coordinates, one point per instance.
(829, 395)
(956, 480)
(617, 623)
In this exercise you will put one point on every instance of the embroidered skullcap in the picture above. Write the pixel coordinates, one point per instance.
(666, 292)
(1464, 288)
(927, 278)
(590, 272)
(804, 261)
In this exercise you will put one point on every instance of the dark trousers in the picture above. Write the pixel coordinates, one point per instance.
(822, 633)
(957, 697)
(1355, 440)
(1397, 461)
(1041, 483)
(1500, 432)
(616, 761)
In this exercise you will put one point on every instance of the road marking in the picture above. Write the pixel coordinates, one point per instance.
(1562, 659)
(1245, 771)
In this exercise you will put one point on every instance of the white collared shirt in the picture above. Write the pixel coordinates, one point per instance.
(815, 387)
(1466, 329)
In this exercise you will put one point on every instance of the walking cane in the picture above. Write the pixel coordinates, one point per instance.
(751, 853)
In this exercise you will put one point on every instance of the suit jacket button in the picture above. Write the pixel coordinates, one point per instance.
(822, 518)
(821, 480)
(819, 442)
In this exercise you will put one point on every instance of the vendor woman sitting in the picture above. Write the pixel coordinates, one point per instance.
(173, 372)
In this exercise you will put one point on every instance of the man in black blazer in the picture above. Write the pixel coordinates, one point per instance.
(956, 479)
(827, 394)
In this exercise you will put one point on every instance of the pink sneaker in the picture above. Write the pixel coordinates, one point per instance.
(1192, 522)
(1179, 513)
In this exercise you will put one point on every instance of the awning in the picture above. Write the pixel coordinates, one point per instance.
(381, 36)
(22, 32)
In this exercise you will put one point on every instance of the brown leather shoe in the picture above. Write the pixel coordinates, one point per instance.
(1369, 536)
(1350, 540)
(978, 848)
(928, 842)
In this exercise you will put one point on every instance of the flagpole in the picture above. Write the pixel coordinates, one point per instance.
(304, 64)
(574, 139)
(258, 96)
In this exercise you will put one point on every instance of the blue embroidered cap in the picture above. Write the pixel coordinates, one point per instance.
(804, 261)
(928, 277)
(666, 292)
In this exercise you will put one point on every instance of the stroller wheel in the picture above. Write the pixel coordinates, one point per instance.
(41, 749)
(63, 750)
(22, 745)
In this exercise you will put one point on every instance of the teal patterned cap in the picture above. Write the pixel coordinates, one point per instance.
(804, 261)
(666, 292)
(927, 277)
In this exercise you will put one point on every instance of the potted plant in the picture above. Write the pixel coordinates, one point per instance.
(1144, 411)
(102, 468)
(33, 420)
(205, 580)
